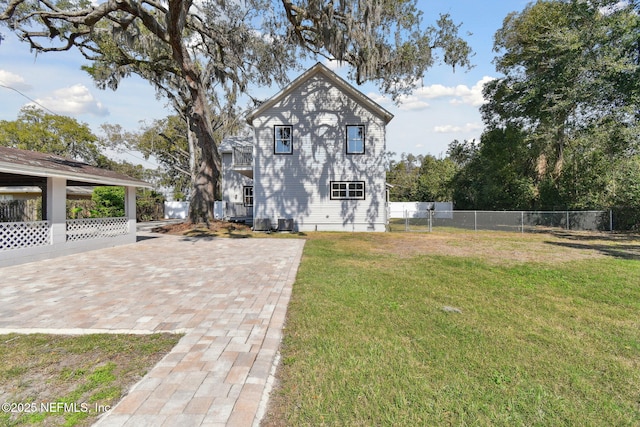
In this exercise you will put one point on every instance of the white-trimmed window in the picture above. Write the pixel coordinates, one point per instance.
(347, 190)
(247, 196)
(355, 139)
(283, 139)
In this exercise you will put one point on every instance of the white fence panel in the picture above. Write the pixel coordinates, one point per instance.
(96, 228)
(18, 235)
(176, 210)
(417, 209)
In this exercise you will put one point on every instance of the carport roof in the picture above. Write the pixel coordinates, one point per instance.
(15, 163)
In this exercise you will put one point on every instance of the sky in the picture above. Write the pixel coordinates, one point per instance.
(443, 108)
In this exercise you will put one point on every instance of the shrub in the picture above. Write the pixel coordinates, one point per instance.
(109, 202)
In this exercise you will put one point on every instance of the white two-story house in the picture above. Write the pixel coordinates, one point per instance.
(316, 160)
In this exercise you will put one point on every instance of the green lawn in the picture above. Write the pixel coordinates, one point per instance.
(59, 380)
(547, 333)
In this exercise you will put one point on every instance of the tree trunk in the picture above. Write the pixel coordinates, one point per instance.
(208, 173)
(199, 116)
(194, 155)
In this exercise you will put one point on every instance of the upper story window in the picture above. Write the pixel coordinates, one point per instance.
(355, 139)
(283, 139)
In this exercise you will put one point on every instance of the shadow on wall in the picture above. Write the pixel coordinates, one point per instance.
(298, 185)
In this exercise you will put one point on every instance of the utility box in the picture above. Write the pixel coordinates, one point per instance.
(285, 224)
(262, 224)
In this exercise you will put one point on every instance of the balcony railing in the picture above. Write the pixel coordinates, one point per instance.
(242, 156)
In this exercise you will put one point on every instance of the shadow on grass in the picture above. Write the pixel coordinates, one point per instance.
(631, 252)
(604, 236)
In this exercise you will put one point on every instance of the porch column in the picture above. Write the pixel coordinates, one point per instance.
(130, 208)
(57, 209)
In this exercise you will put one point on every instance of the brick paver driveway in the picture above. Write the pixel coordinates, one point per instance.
(228, 295)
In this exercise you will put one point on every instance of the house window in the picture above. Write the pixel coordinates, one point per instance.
(247, 195)
(347, 190)
(355, 139)
(283, 140)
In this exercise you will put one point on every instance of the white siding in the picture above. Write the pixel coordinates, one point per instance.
(232, 182)
(298, 185)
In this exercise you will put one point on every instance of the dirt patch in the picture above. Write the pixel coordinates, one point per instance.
(512, 248)
(500, 248)
(214, 228)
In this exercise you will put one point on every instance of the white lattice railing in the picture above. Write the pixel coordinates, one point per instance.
(17, 235)
(96, 228)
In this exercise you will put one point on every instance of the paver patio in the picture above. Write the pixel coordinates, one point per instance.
(229, 296)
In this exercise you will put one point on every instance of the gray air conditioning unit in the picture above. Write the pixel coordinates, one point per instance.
(285, 224)
(262, 224)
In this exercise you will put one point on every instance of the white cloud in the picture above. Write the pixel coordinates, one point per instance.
(613, 8)
(379, 99)
(412, 103)
(417, 100)
(468, 127)
(73, 100)
(13, 81)
(405, 102)
(461, 94)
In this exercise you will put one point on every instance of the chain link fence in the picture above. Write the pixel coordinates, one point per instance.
(514, 221)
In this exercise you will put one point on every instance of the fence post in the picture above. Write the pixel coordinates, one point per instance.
(568, 227)
(430, 215)
(522, 221)
(611, 220)
(406, 221)
(475, 220)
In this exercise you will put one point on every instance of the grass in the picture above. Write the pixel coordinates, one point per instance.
(70, 380)
(462, 329)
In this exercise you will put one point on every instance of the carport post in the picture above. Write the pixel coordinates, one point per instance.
(130, 208)
(57, 209)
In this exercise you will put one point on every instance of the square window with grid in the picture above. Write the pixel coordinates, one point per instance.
(347, 190)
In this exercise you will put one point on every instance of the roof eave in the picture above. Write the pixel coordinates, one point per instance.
(44, 172)
(339, 81)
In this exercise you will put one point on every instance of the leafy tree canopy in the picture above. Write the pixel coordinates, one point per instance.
(570, 67)
(37, 130)
(421, 178)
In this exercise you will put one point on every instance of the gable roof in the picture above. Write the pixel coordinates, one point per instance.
(338, 81)
(34, 164)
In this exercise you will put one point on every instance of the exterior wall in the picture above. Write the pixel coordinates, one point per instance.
(298, 185)
(233, 186)
(19, 196)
